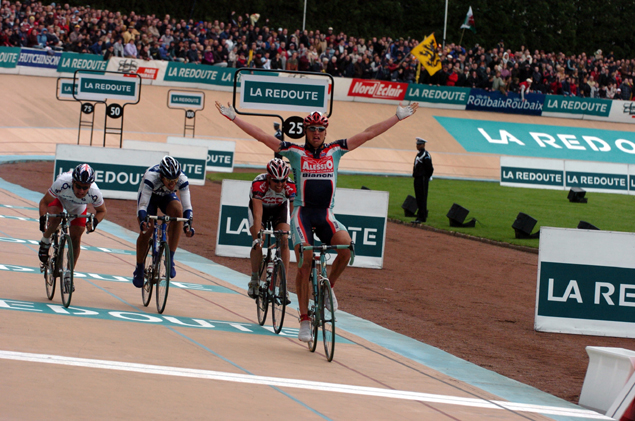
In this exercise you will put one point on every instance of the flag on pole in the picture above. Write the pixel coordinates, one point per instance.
(469, 21)
(426, 53)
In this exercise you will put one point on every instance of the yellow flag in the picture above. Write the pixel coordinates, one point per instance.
(426, 53)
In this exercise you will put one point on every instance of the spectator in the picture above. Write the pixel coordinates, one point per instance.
(130, 50)
(525, 87)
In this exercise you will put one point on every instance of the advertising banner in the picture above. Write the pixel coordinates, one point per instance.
(188, 100)
(569, 107)
(118, 172)
(71, 62)
(533, 140)
(9, 57)
(363, 212)
(377, 89)
(46, 59)
(532, 172)
(197, 74)
(65, 88)
(191, 158)
(300, 95)
(220, 153)
(597, 176)
(96, 87)
(586, 282)
(623, 112)
(512, 103)
(450, 96)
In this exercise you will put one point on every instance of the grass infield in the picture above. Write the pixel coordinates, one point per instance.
(494, 207)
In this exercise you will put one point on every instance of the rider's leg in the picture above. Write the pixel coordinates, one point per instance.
(343, 256)
(53, 223)
(174, 209)
(76, 232)
(255, 256)
(284, 247)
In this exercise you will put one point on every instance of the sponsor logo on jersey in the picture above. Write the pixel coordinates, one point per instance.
(377, 89)
(317, 168)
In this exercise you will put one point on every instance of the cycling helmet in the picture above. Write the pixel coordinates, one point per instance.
(170, 168)
(83, 173)
(278, 169)
(316, 118)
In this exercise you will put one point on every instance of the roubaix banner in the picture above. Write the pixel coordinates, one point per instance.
(533, 140)
(118, 172)
(191, 158)
(363, 212)
(512, 103)
(220, 153)
(300, 95)
(586, 282)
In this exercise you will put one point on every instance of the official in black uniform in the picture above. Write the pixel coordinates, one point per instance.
(279, 136)
(422, 171)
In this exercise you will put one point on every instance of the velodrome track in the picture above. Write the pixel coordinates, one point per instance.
(206, 357)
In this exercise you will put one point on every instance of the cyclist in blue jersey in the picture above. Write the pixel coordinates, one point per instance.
(315, 173)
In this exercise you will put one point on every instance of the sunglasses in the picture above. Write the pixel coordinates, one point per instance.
(80, 187)
(316, 129)
(273, 180)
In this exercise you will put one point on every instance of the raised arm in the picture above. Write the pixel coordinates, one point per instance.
(254, 131)
(379, 128)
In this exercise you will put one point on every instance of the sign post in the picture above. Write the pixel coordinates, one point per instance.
(191, 102)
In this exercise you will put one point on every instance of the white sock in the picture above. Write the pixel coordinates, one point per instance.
(45, 240)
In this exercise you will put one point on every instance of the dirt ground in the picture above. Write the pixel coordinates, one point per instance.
(470, 299)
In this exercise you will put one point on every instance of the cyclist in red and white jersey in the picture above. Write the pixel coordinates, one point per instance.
(71, 191)
(270, 199)
(315, 173)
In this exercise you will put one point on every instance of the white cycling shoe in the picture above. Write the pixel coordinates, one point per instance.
(328, 303)
(304, 334)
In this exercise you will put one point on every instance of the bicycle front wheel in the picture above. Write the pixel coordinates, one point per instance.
(65, 264)
(148, 279)
(162, 276)
(279, 296)
(328, 319)
(262, 299)
(49, 270)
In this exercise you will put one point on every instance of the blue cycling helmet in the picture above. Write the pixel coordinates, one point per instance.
(83, 173)
(170, 168)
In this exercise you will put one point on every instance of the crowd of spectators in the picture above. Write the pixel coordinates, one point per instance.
(248, 41)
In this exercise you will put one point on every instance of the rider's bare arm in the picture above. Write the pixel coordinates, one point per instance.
(254, 131)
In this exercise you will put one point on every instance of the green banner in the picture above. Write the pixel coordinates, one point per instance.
(199, 73)
(124, 178)
(106, 87)
(574, 105)
(220, 158)
(191, 100)
(9, 57)
(367, 232)
(294, 94)
(532, 176)
(587, 292)
(72, 62)
(597, 180)
(437, 94)
(193, 168)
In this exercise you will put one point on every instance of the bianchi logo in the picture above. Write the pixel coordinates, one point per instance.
(377, 89)
(127, 66)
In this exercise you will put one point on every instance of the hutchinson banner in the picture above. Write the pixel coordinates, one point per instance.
(363, 212)
(118, 172)
(586, 282)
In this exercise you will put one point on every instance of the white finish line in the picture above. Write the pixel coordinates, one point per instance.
(299, 384)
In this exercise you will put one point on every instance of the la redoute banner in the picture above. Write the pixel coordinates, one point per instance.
(363, 212)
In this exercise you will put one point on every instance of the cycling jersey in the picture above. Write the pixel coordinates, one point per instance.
(315, 172)
(260, 190)
(152, 186)
(62, 189)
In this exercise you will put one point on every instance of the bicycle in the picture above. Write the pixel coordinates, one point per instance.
(157, 263)
(61, 262)
(273, 280)
(319, 312)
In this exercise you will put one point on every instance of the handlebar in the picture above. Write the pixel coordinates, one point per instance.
(324, 248)
(167, 218)
(68, 216)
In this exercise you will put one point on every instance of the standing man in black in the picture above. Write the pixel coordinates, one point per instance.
(422, 171)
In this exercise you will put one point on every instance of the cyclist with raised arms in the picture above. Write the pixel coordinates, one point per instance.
(158, 190)
(270, 199)
(315, 173)
(72, 191)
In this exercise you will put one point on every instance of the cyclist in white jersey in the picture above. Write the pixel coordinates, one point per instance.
(315, 173)
(71, 191)
(158, 190)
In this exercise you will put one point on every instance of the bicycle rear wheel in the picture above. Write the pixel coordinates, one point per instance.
(162, 278)
(49, 270)
(65, 265)
(262, 300)
(328, 319)
(148, 279)
(279, 296)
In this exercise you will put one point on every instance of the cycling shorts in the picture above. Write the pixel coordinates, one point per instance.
(160, 202)
(72, 208)
(274, 214)
(323, 220)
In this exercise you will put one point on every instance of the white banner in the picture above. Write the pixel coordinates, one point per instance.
(118, 172)
(220, 153)
(191, 158)
(363, 212)
(537, 173)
